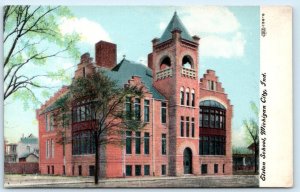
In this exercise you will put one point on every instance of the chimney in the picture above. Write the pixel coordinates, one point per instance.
(106, 54)
(150, 61)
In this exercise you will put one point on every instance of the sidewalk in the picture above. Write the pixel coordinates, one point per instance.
(38, 181)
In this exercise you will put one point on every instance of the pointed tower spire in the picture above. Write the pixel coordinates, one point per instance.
(175, 24)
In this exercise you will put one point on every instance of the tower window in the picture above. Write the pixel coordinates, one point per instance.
(193, 127)
(181, 96)
(193, 98)
(187, 97)
(182, 126)
(187, 126)
(187, 62)
(165, 63)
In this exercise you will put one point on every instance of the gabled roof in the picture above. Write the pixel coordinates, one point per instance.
(175, 23)
(126, 69)
(25, 155)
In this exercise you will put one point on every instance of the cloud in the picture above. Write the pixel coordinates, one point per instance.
(218, 28)
(216, 46)
(89, 31)
(162, 26)
(209, 19)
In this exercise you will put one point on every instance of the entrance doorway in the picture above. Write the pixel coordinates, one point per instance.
(187, 161)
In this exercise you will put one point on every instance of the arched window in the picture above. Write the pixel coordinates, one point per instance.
(187, 92)
(212, 114)
(187, 62)
(181, 96)
(165, 63)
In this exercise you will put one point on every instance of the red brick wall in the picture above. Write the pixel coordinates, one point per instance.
(21, 168)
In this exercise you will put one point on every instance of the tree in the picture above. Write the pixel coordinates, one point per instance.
(252, 131)
(31, 37)
(104, 104)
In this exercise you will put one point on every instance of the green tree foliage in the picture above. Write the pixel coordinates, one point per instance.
(252, 132)
(108, 120)
(31, 36)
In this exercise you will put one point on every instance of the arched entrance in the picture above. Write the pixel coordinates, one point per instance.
(187, 161)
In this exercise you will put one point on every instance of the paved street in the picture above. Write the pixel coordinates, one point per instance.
(37, 181)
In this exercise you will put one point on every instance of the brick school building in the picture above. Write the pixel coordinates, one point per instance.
(188, 119)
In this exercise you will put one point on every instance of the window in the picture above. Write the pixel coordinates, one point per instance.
(163, 169)
(83, 112)
(52, 147)
(52, 169)
(138, 143)
(211, 85)
(91, 170)
(48, 169)
(79, 170)
(187, 97)
(165, 63)
(146, 110)
(212, 145)
(193, 97)
(163, 144)
(51, 122)
(128, 107)
(212, 116)
(47, 149)
(181, 96)
(182, 126)
(138, 170)
(83, 143)
(223, 168)
(64, 170)
(128, 170)
(187, 125)
(216, 168)
(204, 168)
(128, 142)
(137, 108)
(47, 122)
(146, 143)
(163, 112)
(193, 127)
(146, 169)
(73, 170)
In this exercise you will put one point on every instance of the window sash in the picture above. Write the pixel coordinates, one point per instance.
(146, 143)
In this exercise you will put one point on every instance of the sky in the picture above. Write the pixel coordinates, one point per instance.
(229, 45)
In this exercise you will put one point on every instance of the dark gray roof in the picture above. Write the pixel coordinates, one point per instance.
(126, 69)
(25, 155)
(211, 103)
(175, 23)
(56, 104)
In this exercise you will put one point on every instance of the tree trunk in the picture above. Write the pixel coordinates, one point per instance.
(255, 157)
(96, 176)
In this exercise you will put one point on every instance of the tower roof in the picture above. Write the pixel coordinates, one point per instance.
(175, 23)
